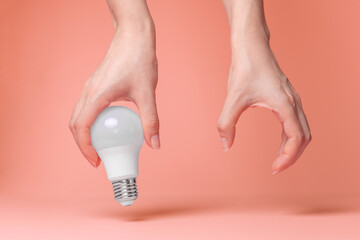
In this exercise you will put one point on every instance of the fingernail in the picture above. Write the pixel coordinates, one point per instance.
(155, 142)
(278, 165)
(97, 164)
(93, 164)
(224, 144)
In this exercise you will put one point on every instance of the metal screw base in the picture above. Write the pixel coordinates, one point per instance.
(125, 191)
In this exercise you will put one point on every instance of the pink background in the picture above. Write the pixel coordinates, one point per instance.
(190, 188)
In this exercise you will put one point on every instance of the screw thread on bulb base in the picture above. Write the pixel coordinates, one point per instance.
(125, 191)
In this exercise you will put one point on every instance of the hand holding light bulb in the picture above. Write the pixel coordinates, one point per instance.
(127, 72)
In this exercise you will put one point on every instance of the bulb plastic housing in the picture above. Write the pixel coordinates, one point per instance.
(117, 136)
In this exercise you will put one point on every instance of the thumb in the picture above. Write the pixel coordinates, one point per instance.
(150, 120)
(233, 108)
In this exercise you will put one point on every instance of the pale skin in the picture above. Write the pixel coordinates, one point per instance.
(129, 72)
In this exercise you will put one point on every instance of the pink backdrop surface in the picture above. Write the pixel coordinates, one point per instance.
(190, 188)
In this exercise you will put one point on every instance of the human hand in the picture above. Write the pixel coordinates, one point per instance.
(255, 80)
(128, 72)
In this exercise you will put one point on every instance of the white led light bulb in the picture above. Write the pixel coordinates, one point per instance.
(117, 136)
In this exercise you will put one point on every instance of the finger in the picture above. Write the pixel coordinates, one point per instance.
(303, 121)
(283, 141)
(146, 103)
(87, 115)
(78, 106)
(305, 127)
(75, 114)
(302, 117)
(232, 110)
(84, 143)
(293, 140)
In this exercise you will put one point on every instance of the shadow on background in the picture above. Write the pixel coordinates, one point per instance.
(165, 210)
(327, 210)
(156, 213)
(326, 205)
(286, 205)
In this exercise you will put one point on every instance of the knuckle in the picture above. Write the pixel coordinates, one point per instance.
(75, 126)
(291, 101)
(221, 126)
(152, 123)
(308, 138)
(71, 126)
(299, 137)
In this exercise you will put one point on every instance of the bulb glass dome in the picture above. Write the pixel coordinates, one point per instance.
(116, 126)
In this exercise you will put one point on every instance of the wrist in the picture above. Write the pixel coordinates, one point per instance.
(143, 26)
(131, 16)
(253, 35)
(135, 36)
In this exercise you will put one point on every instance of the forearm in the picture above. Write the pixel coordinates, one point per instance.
(131, 15)
(247, 21)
